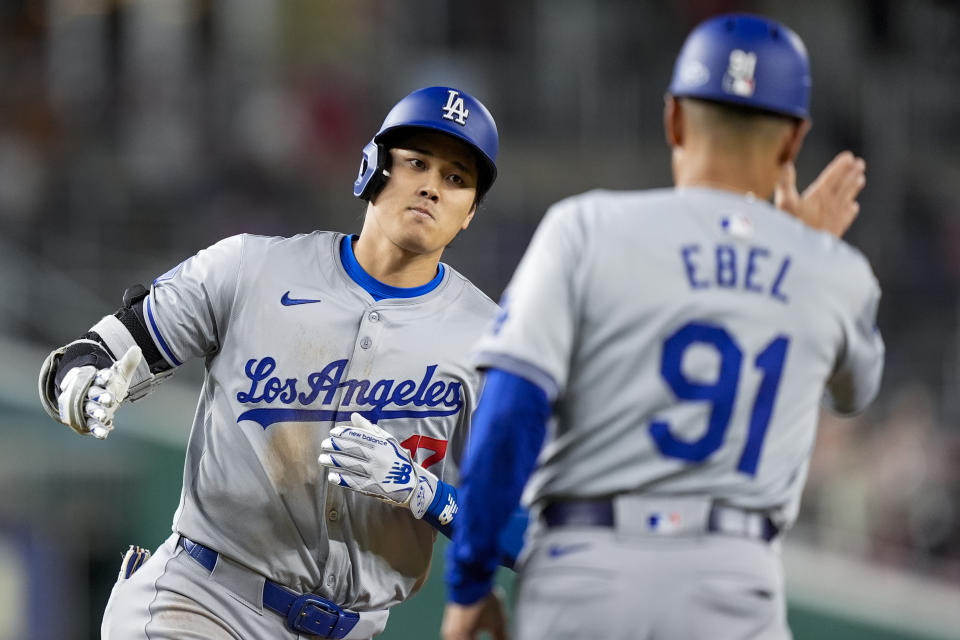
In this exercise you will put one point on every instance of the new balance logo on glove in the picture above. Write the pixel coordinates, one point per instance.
(398, 474)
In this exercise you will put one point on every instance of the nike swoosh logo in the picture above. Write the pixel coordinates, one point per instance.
(287, 301)
(556, 550)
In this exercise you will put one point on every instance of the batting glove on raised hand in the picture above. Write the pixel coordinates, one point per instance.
(367, 459)
(89, 396)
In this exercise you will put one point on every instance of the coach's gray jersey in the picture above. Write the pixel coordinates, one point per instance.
(686, 338)
(293, 345)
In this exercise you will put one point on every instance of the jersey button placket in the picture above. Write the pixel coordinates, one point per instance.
(363, 358)
(366, 341)
(370, 328)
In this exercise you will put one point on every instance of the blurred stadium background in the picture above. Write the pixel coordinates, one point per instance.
(133, 133)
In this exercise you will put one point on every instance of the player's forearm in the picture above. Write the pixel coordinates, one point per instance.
(111, 336)
(98, 350)
(507, 433)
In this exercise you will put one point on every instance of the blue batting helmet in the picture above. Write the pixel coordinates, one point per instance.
(745, 60)
(444, 109)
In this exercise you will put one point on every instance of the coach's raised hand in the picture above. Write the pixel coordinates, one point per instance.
(830, 202)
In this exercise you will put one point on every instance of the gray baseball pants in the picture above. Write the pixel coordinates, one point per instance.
(172, 597)
(596, 582)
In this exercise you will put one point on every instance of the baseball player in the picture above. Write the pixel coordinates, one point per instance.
(299, 335)
(679, 342)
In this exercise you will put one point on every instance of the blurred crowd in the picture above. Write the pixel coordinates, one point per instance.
(134, 133)
(885, 486)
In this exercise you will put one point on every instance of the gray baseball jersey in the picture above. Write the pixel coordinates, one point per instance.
(687, 337)
(293, 346)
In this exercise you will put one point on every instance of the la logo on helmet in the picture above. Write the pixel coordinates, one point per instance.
(455, 109)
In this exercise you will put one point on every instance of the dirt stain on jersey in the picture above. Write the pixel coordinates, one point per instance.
(290, 457)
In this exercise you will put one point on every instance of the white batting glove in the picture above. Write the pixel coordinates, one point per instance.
(89, 397)
(367, 459)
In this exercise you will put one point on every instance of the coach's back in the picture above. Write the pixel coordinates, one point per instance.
(693, 353)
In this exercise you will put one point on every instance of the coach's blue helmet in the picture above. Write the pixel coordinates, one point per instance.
(444, 109)
(745, 60)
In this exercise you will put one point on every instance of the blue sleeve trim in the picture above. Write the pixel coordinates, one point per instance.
(156, 331)
(441, 512)
(521, 369)
(509, 427)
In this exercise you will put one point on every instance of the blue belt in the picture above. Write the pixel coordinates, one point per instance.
(599, 513)
(307, 613)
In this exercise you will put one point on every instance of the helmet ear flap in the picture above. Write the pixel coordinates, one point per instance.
(373, 171)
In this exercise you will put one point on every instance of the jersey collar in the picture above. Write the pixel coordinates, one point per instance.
(374, 287)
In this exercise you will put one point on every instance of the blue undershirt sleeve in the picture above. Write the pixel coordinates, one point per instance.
(441, 515)
(508, 430)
